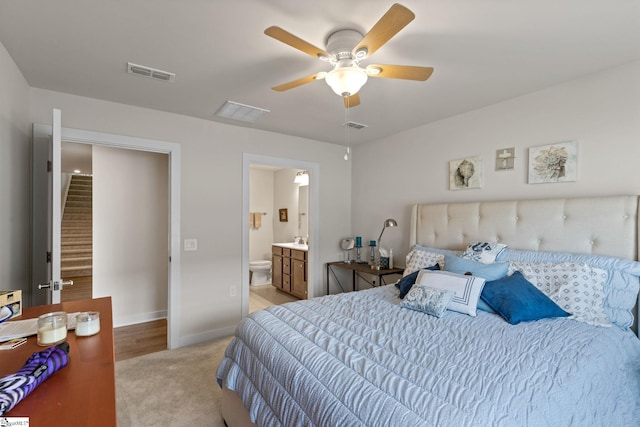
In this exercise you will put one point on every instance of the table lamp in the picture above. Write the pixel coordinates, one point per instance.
(387, 223)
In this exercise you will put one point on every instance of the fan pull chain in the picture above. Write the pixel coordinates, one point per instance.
(346, 129)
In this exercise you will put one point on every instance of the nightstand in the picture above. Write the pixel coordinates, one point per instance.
(359, 271)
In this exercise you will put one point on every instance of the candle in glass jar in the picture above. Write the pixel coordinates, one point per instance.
(87, 323)
(52, 328)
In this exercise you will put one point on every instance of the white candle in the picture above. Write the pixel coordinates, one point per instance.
(52, 328)
(87, 324)
(51, 335)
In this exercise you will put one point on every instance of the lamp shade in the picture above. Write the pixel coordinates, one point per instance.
(346, 81)
(390, 223)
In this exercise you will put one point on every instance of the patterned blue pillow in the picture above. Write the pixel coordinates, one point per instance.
(484, 252)
(427, 300)
(517, 300)
(408, 281)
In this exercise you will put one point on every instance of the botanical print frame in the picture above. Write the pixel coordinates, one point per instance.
(284, 215)
(553, 163)
(465, 174)
(505, 159)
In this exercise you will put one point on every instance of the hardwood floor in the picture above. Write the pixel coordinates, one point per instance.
(82, 288)
(261, 297)
(150, 337)
(140, 339)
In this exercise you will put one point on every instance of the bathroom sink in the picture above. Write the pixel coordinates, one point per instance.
(293, 246)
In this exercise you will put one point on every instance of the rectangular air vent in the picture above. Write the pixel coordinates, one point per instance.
(355, 125)
(236, 111)
(143, 71)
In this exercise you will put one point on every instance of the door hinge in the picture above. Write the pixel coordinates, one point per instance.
(48, 257)
(49, 166)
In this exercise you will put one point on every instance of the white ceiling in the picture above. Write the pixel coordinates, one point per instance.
(483, 51)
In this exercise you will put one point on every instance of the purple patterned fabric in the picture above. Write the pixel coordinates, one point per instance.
(40, 366)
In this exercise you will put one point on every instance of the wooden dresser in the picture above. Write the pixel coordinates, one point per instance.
(81, 394)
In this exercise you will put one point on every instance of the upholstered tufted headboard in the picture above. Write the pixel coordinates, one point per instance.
(593, 225)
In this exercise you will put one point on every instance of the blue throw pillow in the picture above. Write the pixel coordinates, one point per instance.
(517, 300)
(409, 280)
(488, 272)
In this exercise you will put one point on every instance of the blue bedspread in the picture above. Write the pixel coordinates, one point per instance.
(358, 359)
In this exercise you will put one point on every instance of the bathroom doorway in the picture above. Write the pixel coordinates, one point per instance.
(278, 214)
(279, 210)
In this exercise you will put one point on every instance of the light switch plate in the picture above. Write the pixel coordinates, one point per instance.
(190, 244)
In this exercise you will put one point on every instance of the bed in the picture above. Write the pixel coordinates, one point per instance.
(369, 358)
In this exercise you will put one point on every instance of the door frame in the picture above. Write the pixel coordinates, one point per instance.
(314, 218)
(173, 151)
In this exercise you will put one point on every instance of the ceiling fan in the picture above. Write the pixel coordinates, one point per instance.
(346, 49)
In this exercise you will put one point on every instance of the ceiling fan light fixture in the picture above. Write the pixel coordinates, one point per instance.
(346, 81)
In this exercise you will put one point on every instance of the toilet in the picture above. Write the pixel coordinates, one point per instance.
(260, 272)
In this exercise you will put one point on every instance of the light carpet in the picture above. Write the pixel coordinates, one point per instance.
(171, 387)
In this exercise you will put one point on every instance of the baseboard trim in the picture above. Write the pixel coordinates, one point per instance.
(134, 319)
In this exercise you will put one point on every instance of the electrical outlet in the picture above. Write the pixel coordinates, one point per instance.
(232, 291)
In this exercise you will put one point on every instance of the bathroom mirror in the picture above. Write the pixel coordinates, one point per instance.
(303, 211)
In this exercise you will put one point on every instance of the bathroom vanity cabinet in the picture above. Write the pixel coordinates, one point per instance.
(289, 270)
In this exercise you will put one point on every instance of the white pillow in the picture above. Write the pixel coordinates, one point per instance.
(577, 288)
(466, 289)
(418, 259)
(484, 252)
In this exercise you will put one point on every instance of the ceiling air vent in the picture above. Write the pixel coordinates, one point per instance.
(236, 111)
(143, 71)
(355, 125)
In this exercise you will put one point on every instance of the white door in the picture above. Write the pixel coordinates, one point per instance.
(47, 215)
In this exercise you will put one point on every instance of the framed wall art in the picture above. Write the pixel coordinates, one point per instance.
(505, 159)
(284, 215)
(465, 174)
(553, 163)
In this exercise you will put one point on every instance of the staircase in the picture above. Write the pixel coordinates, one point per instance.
(77, 229)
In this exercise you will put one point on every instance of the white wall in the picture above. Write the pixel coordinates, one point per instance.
(261, 200)
(600, 112)
(15, 177)
(211, 196)
(130, 238)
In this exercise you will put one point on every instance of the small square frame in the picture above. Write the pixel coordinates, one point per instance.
(505, 159)
(284, 214)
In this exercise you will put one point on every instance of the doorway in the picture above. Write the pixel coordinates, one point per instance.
(172, 150)
(312, 218)
(76, 238)
(272, 190)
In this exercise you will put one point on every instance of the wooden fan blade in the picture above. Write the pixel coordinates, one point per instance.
(299, 82)
(295, 42)
(396, 18)
(405, 72)
(351, 101)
